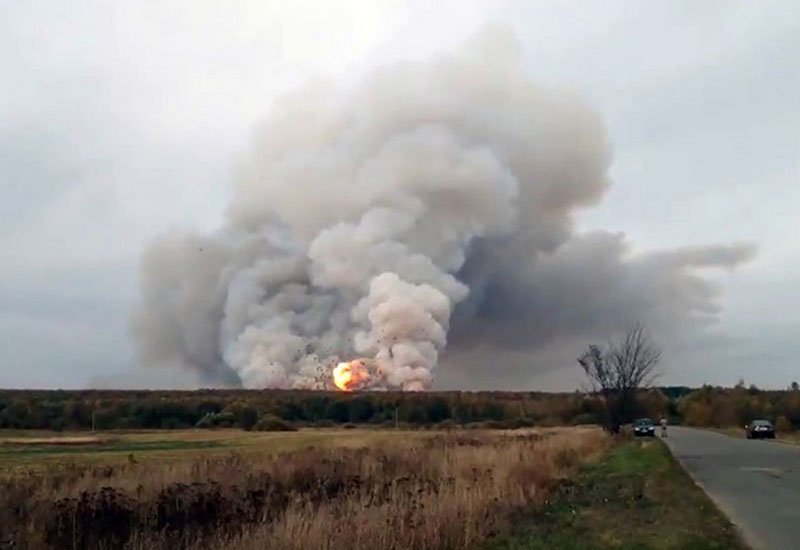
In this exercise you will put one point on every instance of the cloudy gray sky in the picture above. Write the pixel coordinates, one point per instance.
(119, 120)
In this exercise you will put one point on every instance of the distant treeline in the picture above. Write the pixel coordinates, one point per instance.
(723, 407)
(277, 409)
(268, 409)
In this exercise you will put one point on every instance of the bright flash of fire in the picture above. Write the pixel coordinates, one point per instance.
(349, 375)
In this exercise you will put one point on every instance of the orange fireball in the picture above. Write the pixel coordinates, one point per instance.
(350, 375)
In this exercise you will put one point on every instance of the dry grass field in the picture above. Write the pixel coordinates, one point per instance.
(32, 451)
(311, 489)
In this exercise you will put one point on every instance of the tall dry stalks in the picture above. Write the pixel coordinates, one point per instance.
(446, 492)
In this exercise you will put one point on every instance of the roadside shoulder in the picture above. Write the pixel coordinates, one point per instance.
(637, 496)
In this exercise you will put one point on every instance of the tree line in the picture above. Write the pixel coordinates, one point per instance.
(724, 407)
(104, 410)
(277, 409)
(620, 372)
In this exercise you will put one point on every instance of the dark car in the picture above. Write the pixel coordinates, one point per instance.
(758, 429)
(644, 427)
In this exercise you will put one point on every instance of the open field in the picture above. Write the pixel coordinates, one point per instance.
(355, 489)
(34, 451)
(636, 498)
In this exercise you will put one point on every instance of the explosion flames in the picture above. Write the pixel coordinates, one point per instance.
(351, 375)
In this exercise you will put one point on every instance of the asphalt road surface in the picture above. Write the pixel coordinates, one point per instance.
(755, 482)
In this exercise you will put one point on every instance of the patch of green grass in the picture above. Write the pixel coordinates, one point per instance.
(636, 498)
(110, 447)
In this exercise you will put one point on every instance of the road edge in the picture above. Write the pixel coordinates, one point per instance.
(749, 538)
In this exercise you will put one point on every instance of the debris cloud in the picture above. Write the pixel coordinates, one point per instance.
(426, 214)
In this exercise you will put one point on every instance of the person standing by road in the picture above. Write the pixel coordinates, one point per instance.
(663, 423)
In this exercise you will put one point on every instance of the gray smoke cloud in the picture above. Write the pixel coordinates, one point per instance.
(424, 216)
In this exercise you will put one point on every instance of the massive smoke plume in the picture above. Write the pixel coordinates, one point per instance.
(426, 212)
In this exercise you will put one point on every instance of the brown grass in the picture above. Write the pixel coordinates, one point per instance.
(178, 446)
(66, 440)
(442, 491)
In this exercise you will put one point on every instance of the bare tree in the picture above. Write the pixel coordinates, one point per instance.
(617, 371)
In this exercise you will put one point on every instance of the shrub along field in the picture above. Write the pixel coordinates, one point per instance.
(267, 409)
(355, 489)
(286, 410)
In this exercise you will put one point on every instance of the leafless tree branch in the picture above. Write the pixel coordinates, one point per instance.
(617, 372)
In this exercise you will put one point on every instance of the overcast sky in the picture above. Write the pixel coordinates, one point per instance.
(119, 120)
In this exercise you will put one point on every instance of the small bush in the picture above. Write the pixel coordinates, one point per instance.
(271, 423)
(216, 420)
(247, 418)
(407, 426)
(549, 423)
(585, 418)
(495, 425)
(446, 425)
(782, 424)
(515, 423)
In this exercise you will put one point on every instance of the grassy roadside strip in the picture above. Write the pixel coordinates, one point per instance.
(636, 498)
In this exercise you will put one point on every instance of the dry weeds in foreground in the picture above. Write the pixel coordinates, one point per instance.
(448, 492)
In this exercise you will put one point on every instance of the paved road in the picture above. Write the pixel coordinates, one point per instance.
(756, 483)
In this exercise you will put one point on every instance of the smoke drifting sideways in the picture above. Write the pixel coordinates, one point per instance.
(432, 202)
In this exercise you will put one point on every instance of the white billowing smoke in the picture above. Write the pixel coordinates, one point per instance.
(366, 222)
